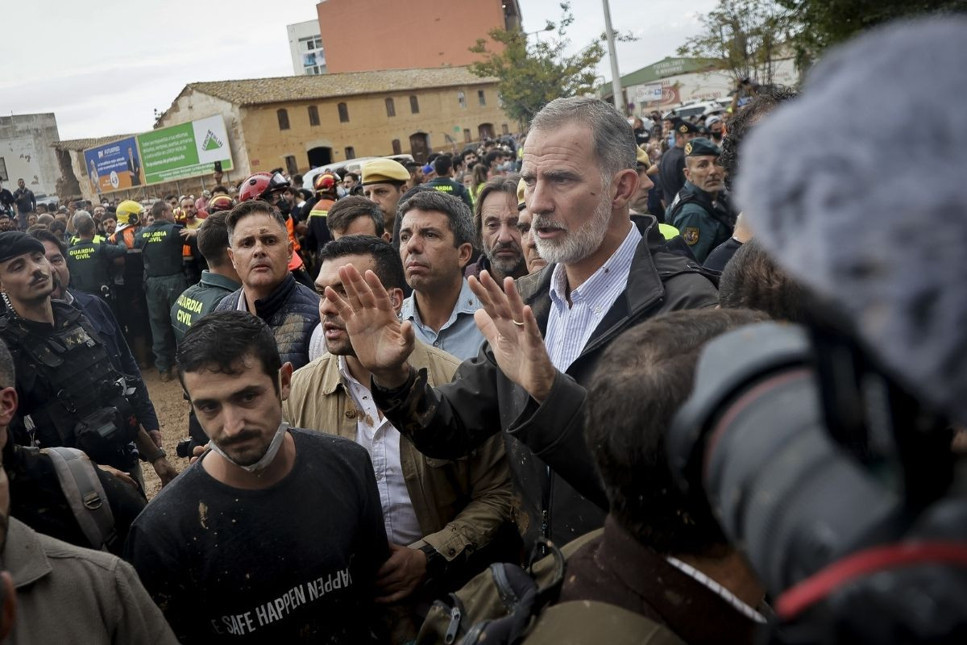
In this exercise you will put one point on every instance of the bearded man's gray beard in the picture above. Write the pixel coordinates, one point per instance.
(575, 245)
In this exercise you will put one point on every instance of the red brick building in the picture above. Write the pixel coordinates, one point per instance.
(363, 35)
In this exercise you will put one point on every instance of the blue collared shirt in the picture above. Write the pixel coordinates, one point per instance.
(459, 335)
(570, 326)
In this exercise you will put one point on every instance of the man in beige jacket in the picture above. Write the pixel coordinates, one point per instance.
(438, 513)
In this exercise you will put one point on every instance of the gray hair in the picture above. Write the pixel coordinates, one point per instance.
(458, 215)
(83, 222)
(614, 140)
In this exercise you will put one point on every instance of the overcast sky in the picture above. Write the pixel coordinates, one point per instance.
(103, 67)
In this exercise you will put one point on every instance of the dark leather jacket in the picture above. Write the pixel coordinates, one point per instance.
(292, 311)
(449, 421)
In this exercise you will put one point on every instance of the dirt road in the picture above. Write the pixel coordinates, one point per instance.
(172, 409)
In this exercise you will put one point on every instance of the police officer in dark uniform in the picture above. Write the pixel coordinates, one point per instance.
(672, 164)
(700, 211)
(219, 280)
(129, 281)
(91, 262)
(70, 394)
(161, 247)
(443, 182)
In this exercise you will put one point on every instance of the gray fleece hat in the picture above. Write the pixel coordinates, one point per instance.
(870, 209)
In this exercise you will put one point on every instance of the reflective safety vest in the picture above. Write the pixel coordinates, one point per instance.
(97, 238)
(295, 262)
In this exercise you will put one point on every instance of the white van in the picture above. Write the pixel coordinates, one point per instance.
(349, 165)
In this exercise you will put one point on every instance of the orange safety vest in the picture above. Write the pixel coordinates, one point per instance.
(295, 262)
(127, 236)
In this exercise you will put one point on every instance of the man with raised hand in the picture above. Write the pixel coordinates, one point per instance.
(545, 334)
(441, 517)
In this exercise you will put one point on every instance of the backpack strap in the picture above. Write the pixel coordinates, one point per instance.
(684, 197)
(85, 495)
(584, 621)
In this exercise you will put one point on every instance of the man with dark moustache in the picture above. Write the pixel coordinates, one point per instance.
(495, 220)
(274, 533)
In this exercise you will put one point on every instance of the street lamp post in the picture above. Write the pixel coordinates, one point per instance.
(615, 78)
(549, 27)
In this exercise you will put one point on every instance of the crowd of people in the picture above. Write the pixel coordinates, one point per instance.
(396, 378)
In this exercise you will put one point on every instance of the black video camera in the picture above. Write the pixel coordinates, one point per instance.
(184, 448)
(837, 484)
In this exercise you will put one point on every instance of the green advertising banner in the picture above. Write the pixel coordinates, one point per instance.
(186, 150)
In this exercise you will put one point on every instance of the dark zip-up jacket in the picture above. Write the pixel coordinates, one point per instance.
(292, 311)
(558, 491)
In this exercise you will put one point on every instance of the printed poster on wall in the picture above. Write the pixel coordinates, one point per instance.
(114, 166)
(186, 150)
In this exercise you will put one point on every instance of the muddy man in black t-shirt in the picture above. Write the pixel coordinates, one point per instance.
(273, 534)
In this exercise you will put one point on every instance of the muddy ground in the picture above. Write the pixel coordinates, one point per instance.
(172, 411)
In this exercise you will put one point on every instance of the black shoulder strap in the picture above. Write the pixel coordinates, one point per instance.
(684, 197)
(688, 197)
(85, 495)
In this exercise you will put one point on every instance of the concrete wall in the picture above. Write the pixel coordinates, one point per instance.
(25, 146)
(300, 30)
(369, 130)
(404, 35)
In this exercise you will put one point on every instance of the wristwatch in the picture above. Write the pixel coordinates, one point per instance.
(436, 564)
(158, 455)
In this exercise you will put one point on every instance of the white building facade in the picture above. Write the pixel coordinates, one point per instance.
(305, 45)
(26, 152)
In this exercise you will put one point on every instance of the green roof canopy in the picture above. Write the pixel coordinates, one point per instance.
(669, 66)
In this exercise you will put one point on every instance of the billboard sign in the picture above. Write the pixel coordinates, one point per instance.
(186, 150)
(114, 166)
(648, 93)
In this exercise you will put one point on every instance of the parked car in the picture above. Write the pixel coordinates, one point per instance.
(700, 108)
(349, 165)
(51, 201)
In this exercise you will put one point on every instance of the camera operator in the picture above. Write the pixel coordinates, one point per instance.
(662, 554)
(825, 449)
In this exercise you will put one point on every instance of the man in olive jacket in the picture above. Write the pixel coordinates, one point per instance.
(545, 336)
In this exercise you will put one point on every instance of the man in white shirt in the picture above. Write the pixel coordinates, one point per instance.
(545, 336)
(437, 513)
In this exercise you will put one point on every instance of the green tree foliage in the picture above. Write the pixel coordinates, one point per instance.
(745, 35)
(748, 35)
(530, 76)
(821, 23)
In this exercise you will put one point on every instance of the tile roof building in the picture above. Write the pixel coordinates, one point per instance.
(301, 122)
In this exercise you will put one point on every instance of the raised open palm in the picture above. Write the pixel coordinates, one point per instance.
(515, 339)
(381, 342)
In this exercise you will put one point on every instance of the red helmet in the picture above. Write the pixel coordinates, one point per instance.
(262, 185)
(220, 203)
(325, 183)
